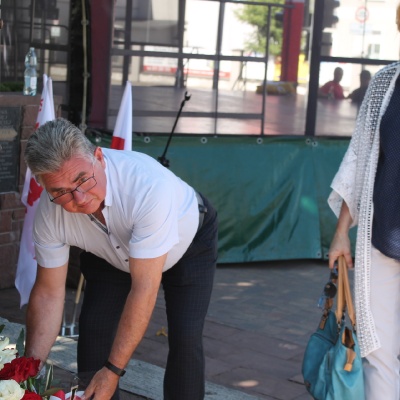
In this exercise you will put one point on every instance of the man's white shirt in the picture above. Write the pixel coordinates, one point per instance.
(148, 210)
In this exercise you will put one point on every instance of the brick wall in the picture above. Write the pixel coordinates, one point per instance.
(12, 211)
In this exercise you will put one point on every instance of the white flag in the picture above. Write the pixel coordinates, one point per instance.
(27, 266)
(122, 136)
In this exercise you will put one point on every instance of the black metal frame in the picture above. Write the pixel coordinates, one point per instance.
(28, 40)
(180, 55)
(317, 58)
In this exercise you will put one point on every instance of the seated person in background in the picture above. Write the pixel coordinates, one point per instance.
(333, 89)
(357, 96)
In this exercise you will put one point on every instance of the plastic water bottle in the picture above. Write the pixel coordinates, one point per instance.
(30, 74)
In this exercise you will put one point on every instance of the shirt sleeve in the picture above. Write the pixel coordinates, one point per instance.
(343, 186)
(51, 256)
(49, 251)
(325, 88)
(339, 92)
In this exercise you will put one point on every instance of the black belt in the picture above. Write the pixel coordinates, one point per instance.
(202, 209)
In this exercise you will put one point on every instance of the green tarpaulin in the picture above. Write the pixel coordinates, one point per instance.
(270, 193)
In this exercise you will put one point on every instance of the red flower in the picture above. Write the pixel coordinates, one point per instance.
(31, 396)
(20, 369)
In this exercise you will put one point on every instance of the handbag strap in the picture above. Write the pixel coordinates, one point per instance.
(344, 298)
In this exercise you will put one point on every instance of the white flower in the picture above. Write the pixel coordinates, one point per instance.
(6, 355)
(10, 390)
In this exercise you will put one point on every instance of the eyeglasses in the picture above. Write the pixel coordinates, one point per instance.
(83, 187)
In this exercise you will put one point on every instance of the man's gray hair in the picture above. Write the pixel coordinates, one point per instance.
(54, 143)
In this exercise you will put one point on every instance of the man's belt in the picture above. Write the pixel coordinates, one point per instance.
(202, 209)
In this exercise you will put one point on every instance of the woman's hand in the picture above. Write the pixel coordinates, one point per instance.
(340, 246)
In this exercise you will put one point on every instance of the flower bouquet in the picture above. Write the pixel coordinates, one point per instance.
(20, 377)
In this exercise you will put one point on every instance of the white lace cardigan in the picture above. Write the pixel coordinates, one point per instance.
(354, 183)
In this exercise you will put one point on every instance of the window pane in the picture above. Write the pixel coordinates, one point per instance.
(50, 37)
(338, 117)
(148, 70)
(238, 97)
(200, 37)
(151, 22)
(364, 29)
(155, 109)
(198, 73)
(245, 30)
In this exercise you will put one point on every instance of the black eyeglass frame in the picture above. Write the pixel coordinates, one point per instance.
(53, 200)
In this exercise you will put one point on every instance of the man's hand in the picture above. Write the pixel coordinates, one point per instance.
(102, 386)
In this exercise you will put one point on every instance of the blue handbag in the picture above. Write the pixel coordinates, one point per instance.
(332, 365)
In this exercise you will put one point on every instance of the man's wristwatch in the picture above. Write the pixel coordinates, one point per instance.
(113, 368)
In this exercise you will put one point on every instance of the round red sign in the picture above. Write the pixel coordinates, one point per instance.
(362, 14)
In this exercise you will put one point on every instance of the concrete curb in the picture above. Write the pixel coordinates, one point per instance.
(141, 378)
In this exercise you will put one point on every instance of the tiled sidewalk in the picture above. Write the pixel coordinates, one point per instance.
(260, 318)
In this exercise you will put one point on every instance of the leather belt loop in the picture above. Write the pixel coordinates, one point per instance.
(202, 209)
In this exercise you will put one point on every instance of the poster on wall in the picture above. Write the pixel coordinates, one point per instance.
(9, 148)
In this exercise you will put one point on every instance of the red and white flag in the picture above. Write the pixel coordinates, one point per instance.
(122, 135)
(27, 266)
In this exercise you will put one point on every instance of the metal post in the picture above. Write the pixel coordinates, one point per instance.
(180, 73)
(313, 84)
(127, 42)
(265, 70)
(85, 23)
(1, 41)
(217, 62)
(32, 22)
(292, 28)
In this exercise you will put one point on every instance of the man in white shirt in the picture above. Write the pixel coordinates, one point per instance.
(140, 225)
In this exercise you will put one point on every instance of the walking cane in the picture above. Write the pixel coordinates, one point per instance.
(77, 299)
(72, 325)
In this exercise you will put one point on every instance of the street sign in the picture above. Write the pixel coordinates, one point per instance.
(362, 14)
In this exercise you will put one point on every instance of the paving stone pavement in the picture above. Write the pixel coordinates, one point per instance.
(260, 318)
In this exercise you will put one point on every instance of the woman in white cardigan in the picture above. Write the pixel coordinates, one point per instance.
(366, 192)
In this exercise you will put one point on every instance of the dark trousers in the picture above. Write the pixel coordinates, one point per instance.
(187, 290)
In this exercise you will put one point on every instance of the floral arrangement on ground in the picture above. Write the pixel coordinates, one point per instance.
(21, 377)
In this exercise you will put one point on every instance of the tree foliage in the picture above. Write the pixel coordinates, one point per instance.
(257, 16)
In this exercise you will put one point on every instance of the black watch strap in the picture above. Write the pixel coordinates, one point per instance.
(113, 368)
